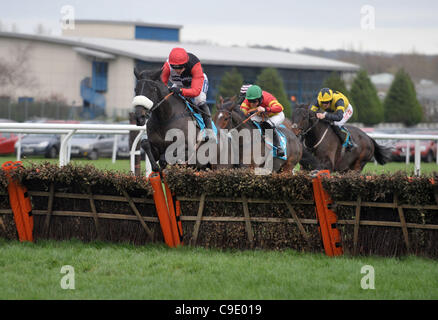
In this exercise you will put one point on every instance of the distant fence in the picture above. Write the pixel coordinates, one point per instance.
(415, 137)
(26, 110)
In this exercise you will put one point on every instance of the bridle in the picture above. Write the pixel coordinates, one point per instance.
(143, 81)
(229, 119)
(302, 133)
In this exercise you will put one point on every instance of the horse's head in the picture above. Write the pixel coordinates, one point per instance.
(149, 90)
(301, 119)
(223, 116)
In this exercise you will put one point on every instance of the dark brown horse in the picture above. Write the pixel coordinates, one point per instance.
(229, 116)
(167, 117)
(319, 137)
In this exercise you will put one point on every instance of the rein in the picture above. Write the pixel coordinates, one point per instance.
(309, 128)
(318, 143)
(246, 120)
(304, 133)
(159, 103)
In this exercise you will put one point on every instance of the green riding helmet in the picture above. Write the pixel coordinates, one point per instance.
(254, 92)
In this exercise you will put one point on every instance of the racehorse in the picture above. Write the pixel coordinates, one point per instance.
(163, 111)
(229, 116)
(322, 140)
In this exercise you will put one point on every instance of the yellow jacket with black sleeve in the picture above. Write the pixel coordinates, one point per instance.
(335, 110)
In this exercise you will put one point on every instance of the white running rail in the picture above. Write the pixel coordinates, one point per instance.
(68, 130)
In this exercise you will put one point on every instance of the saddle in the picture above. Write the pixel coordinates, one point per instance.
(197, 117)
(282, 137)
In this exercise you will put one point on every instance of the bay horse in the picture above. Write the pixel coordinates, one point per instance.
(319, 137)
(229, 116)
(164, 112)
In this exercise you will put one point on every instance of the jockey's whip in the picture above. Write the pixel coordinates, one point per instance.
(243, 122)
(159, 103)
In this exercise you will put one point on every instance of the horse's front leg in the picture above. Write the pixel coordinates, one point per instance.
(146, 146)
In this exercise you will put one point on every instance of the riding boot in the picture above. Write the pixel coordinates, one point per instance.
(275, 138)
(350, 143)
(206, 116)
(276, 142)
(342, 134)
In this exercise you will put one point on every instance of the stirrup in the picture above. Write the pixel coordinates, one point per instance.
(206, 134)
(350, 146)
(280, 151)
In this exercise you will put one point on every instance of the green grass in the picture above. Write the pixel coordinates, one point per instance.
(123, 165)
(426, 168)
(102, 163)
(122, 271)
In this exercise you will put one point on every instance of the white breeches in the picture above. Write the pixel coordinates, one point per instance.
(347, 115)
(275, 121)
(202, 98)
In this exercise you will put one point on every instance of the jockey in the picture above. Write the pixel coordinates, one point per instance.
(185, 72)
(336, 108)
(243, 89)
(272, 112)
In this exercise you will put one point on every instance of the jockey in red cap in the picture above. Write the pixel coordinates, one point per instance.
(185, 71)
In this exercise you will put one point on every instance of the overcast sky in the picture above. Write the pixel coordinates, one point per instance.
(394, 26)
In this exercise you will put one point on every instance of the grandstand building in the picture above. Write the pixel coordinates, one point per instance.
(91, 66)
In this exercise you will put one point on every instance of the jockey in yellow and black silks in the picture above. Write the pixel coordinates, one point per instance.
(336, 108)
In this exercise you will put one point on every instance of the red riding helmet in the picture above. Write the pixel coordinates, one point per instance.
(178, 57)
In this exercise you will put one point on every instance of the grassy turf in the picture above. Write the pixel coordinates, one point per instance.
(102, 163)
(122, 271)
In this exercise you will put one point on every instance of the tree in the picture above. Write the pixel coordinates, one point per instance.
(14, 70)
(401, 104)
(270, 80)
(365, 101)
(335, 82)
(230, 83)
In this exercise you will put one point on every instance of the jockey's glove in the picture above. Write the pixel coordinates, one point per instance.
(176, 90)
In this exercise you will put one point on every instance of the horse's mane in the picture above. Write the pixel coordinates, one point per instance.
(302, 106)
(234, 104)
(154, 74)
(151, 75)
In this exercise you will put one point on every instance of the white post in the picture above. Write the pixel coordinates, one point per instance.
(436, 154)
(63, 150)
(19, 147)
(68, 150)
(408, 151)
(417, 158)
(116, 137)
(148, 166)
(132, 153)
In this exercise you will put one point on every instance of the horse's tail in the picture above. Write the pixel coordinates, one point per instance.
(382, 154)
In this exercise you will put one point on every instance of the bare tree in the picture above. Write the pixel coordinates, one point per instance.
(15, 68)
(40, 29)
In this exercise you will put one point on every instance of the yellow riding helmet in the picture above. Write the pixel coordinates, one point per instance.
(325, 95)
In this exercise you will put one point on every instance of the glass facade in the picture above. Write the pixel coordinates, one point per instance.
(156, 33)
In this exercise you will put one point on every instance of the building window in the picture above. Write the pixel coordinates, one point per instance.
(156, 33)
(100, 76)
(25, 100)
